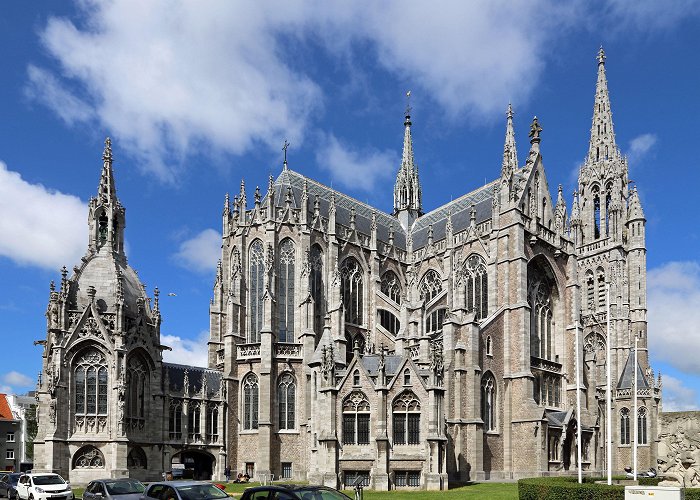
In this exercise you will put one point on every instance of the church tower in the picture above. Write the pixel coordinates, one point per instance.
(407, 191)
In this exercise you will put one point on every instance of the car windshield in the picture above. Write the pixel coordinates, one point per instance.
(13, 478)
(319, 494)
(124, 487)
(200, 492)
(48, 479)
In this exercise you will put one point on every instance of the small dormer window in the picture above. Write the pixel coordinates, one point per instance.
(406, 377)
(356, 378)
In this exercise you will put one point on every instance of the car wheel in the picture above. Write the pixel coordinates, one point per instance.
(31, 497)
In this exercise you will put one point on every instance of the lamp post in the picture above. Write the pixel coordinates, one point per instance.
(578, 406)
(608, 395)
(635, 421)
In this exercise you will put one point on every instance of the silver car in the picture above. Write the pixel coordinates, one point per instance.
(114, 489)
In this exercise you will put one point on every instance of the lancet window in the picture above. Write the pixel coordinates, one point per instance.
(389, 321)
(488, 401)
(433, 324)
(625, 426)
(590, 291)
(352, 290)
(256, 290)
(642, 425)
(194, 421)
(406, 418)
(213, 422)
(286, 401)
(390, 286)
(137, 383)
(250, 402)
(596, 212)
(175, 419)
(356, 412)
(285, 291)
(540, 298)
(317, 287)
(476, 286)
(90, 384)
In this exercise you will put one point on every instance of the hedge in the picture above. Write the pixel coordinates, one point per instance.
(567, 488)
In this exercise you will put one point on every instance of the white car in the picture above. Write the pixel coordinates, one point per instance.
(47, 486)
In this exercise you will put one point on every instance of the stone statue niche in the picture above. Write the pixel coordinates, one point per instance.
(679, 449)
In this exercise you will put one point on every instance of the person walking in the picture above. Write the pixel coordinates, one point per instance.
(227, 473)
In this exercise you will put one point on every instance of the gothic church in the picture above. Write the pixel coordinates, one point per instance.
(409, 349)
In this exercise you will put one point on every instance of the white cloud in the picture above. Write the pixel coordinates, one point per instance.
(186, 351)
(649, 15)
(640, 146)
(678, 397)
(356, 169)
(163, 78)
(673, 291)
(17, 380)
(39, 226)
(200, 253)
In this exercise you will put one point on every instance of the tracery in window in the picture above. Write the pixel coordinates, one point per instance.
(596, 212)
(625, 426)
(256, 289)
(390, 286)
(250, 402)
(352, 290)
(175, 419)
(476, 286)
(356, 412)
(213, 421)
(541, 317)
(317, 287)
(286, 400)
(406, 418)
(88, 457)
(547, 389)
(137, 383)
(602, 292)
(285, 291)
(194, 421)
(488, 401)
(430, 286)
(642, 425)
(90, 383)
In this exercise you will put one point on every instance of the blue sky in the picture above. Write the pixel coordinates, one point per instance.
(196, 96)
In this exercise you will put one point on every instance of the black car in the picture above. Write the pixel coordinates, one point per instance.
(293, 492)
(8, 483)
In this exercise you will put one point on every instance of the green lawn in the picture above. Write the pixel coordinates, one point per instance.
(491, 491)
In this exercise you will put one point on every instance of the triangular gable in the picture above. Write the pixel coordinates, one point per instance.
(90, 326)
(415, 375)
(626, 378)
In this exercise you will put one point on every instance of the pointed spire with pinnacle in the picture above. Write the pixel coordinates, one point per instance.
(510, 153)
(107, 190)
(602, 144)
(407, 190)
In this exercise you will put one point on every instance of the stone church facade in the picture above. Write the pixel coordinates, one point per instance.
(410, 349)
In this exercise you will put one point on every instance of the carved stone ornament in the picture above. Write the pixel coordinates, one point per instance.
(327, 362)
(678, 453)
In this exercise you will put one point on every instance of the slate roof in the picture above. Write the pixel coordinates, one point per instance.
(391, 363)
(626, 379)
(176, 377)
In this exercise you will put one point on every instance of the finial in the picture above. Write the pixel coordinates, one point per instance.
(156, 294)
(407, 122)
(227, 205)
(601, 55)
(509, 112)
(52, 286)
(317, 205)
(257, 195)
(288, 196)
(284, 148)
(107, 154)
(535, 131)
(270, 183)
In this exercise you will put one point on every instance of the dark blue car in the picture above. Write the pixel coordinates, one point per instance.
(8, 482)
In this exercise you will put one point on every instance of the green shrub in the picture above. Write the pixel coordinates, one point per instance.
(567, 488)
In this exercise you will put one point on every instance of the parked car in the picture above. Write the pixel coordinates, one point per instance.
(8, 483)
(183, 490)
(293, 492)
(40, 486)
(114, 489)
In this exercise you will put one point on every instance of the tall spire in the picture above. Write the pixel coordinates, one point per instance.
(602, 144)
(407, 190)
(107, 190)
(510, 153)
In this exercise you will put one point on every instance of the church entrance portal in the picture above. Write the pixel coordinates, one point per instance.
(194, 464)
(569, 448)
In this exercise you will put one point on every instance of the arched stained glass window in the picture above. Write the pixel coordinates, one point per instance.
(625, 426)
(390, 286)
(256, 290)
(136, 382)
(90, 383)
(175, 419)
(476, 286)
(602, 294)
(430, 286)
(286, 400)
(596, 212)
(352, 290)
(250, 402)
(317, 287)
(488, 401)
(194, 428)
(642, 425)
(406, 418)
(433, 324)
(285, 291)
(213, 421)
(540, 298)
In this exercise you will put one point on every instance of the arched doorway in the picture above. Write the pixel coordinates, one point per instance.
(194, 464)
(569, 448)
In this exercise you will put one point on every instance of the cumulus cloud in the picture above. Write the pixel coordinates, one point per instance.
(356, 169)
(18, 380)
(640, 146)
(677, 396)
(39, 226)
(201, 252)
(165, 77)
(673, 291)
(186, 351)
